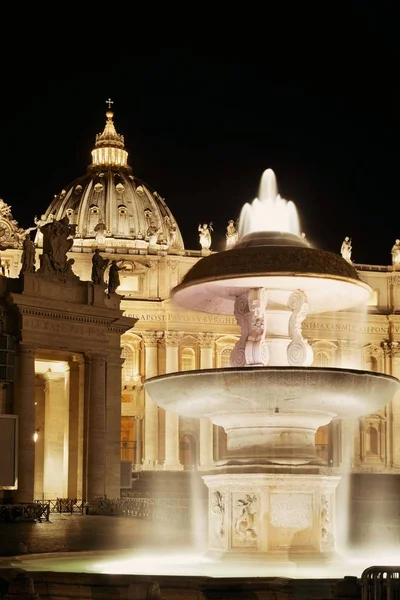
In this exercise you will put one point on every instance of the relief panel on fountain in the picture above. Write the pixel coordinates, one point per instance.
(244, 520)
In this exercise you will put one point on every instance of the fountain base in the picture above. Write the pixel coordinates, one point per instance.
(284, 516)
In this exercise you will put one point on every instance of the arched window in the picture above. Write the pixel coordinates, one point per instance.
(129, 366)
(225, 357)
(372, 440)
(188, 359)
(371, 363)
(321, 359)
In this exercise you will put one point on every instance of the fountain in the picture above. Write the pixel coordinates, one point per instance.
(271, 514)
(270, 498)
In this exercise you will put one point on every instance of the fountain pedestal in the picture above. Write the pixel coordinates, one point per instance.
(277, 514)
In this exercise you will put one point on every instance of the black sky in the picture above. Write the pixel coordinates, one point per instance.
(201, 124)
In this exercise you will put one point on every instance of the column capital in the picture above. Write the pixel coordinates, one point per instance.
(391, 349)
(150, 339)
(394, 280)
(95, 358)
(172, 339)
(207, 340)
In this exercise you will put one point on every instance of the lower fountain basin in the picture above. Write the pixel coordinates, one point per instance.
(271, 414)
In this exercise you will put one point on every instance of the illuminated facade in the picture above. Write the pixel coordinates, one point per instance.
(130, 222)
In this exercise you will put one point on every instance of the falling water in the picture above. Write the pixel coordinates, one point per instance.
(269, 211)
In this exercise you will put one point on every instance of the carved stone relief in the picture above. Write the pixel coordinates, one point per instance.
(217, 518)
(244, 519)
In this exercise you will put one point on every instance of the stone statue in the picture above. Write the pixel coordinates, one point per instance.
(396, 255)
(231, 235)
(57, 242)
(205, 235)
(346, 249)
(172, 232)
(20, 234)
(152, 233)
(28, 256)
(39, 224)
(99, 265)
(113, 276)
(99, 231)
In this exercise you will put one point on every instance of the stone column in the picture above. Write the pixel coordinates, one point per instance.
(24, 406)
(55, 436)
(40, 430)
(172, 462)
(113, 427)
(75, 428)
(151, 409)
(96, 428)
(206, 454)
(139, 439)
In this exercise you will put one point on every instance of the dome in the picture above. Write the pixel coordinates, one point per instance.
(112, 208)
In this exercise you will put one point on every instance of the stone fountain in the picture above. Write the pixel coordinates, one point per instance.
(271, 497)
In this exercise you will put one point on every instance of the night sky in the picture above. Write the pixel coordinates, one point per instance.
(200, 128)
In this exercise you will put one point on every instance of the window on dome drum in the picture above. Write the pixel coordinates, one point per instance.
(225, 357)
(188, 359)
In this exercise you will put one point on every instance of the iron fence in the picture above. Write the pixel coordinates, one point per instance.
(30, 511)
(380, 583)
(168, 510)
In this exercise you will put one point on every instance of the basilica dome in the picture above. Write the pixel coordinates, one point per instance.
(111, 208)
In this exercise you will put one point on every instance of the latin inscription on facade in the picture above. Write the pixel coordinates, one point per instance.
(61, 328)
(183, 318)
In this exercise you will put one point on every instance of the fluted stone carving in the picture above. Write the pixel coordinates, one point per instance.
(299, 352)
(250, 313)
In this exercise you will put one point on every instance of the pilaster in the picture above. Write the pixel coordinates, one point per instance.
(150, 340)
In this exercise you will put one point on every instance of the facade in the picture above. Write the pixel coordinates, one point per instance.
(82, 354)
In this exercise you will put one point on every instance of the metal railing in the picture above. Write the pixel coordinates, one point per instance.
(29, 511)
(167, 510)
(380, 583)
(64, 505)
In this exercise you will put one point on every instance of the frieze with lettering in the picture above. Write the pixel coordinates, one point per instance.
(347, 327)
(62, 327)
(205, 319)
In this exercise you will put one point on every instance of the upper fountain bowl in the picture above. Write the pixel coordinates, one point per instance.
(281, 263)
(271, 253)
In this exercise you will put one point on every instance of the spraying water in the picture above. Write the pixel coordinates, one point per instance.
(269, 211)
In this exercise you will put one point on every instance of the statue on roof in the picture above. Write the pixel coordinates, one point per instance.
(28, 256)
(346, 249)
(99, 265)
(231, 235)
(205, 235)
(396, 255)
(113, 276)
(57, 242)
(100, 232)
